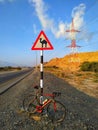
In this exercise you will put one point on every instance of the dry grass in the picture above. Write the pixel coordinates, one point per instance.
(86, 82)
(64, 62)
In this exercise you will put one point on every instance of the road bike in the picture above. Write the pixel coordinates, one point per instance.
(54, 109)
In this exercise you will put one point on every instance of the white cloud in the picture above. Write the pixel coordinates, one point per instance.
(60, 30)
(41, 9)
(78, 15)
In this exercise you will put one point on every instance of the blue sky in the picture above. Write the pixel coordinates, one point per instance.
(22, 20)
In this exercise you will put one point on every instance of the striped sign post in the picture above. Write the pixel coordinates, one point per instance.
(41, 76)
(42, 43)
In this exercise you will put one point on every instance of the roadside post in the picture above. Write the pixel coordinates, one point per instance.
(42, 43)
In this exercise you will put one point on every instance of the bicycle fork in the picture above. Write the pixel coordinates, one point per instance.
(54, 105)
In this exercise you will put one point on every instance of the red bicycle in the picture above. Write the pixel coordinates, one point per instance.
(54, 109)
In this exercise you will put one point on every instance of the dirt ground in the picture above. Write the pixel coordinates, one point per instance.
(81, 109)
(86, 82)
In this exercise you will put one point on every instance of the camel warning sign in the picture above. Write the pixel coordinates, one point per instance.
(42, 42)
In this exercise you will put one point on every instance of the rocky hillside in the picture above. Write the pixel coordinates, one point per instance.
(73, 60)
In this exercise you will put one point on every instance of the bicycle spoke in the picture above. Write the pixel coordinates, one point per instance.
(32, 105)
(29, 99)
(56, 111)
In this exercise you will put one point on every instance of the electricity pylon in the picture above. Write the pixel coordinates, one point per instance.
(74, 60)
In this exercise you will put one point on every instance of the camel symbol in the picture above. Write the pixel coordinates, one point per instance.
(43, 42)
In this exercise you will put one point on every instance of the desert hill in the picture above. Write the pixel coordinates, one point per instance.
(71, 60)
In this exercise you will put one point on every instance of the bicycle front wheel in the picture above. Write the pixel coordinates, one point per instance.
(56, 111)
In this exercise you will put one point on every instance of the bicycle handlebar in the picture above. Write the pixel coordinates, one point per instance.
(56, 94)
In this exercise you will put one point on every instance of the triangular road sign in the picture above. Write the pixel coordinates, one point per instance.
(42, 42)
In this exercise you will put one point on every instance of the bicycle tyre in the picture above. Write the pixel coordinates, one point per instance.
(58, 115)
(27, 100)
(32, 105)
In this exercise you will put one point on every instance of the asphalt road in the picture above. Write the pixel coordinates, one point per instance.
(11, 75)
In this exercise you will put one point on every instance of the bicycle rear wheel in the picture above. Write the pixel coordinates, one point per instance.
(58, 113)
(33, 104)
(28, 100)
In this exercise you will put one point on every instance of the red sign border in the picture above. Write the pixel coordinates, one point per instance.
(33, 47)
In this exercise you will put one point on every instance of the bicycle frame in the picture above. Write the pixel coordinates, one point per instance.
(54, 109)
(40, 108)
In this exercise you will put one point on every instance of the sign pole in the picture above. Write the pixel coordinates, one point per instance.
(41, 76)
(42, 43)
(36, 60)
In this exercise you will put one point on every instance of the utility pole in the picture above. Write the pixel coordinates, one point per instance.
(73, 56)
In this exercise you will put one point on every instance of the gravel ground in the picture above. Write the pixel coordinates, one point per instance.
(82, 110)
